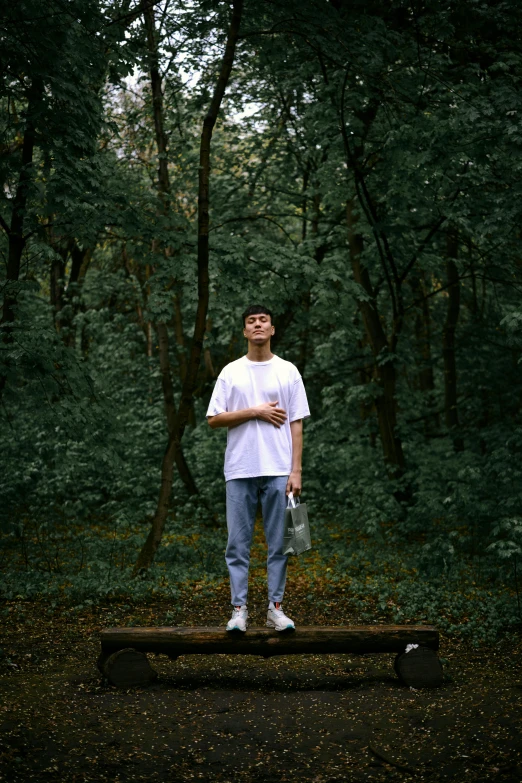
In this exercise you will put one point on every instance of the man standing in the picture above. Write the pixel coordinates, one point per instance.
(261, 399)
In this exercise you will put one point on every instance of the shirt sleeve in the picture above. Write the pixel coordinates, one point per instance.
(218, 401)
(298, 408)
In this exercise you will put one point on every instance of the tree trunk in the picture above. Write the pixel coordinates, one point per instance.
(181, 352)
(15, 231)
(425, 377)
(366, 373)
(385, 403)
(150, 547)
(64, 295)
(170, 407)
(423, 333)
(80, 260)
(181, 349)
(145, 326)
(164, 196)
(157, 103)
(448, 342)
(282, 323)
(319, 253)
(57, 284)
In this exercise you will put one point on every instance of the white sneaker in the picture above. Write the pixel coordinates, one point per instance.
(277, 619)
(238, 621)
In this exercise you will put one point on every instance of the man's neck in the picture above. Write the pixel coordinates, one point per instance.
(259, 353)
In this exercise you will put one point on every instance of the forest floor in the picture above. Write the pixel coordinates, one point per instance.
(233, 718)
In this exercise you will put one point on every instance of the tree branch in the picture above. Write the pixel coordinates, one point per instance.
(359, 182)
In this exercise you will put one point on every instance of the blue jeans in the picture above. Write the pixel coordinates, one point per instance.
(242, 498)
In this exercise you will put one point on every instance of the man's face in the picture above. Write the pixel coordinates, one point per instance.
(258, 328)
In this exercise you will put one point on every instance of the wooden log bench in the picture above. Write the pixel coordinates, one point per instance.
(123, 660)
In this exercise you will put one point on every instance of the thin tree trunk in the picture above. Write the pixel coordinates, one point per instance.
(423, 333)
(366, 373)
(15, 231)
(164, 196)
(485, 415)
(56, 288)
(182, 349)
(152, 543)
(157, 103)
(80, 260)
(304, 333)
(170, 406)
(425, 377)
(282, 324)
(385, 403)
(210, 373)
(305, 299)
(448, 342)
(145, 326)
(180, 338)
(62, 294)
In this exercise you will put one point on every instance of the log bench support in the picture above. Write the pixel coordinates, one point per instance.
(123, 660)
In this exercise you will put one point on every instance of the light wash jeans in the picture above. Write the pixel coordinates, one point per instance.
(242, 498)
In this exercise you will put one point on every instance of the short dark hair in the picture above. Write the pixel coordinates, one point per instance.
(256, 310)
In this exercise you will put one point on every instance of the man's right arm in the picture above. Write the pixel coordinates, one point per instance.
(267, 411)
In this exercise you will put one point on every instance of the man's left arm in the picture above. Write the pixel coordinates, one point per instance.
(294, 483)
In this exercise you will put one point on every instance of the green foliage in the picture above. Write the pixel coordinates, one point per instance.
(410, 121)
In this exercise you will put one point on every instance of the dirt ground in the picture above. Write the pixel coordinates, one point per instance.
(241, 718)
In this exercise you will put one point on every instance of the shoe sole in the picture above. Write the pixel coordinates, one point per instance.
(235, 628)
(286, 628)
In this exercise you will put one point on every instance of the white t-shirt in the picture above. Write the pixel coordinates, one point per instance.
(258, 448)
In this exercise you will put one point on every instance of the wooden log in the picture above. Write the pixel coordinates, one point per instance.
(102, 658)
(128, 667)
(266, 642)
(419, 668)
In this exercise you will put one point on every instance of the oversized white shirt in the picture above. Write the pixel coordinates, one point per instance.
(258, 448)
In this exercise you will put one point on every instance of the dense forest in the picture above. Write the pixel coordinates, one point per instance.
(354, 166)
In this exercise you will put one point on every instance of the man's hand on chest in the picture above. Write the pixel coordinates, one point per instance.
(271, 413)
